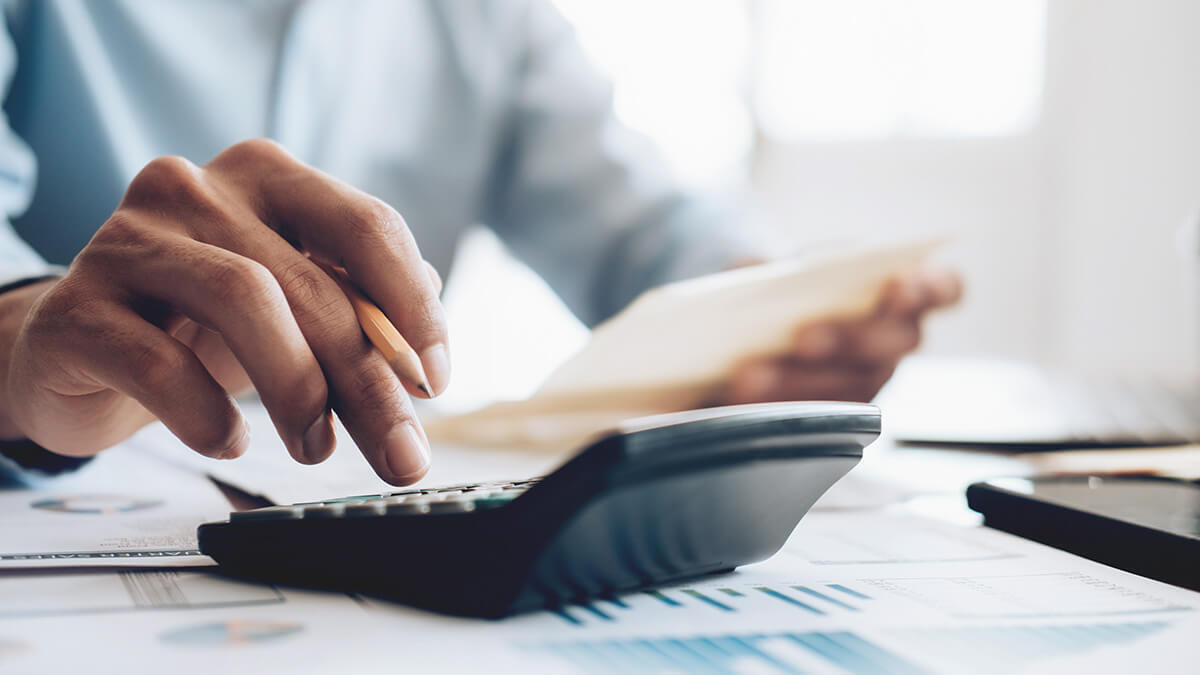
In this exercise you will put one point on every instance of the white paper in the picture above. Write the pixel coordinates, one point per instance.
(125, 508)
(850, 592)
(185, 621)
(676, 345)
(864, 592)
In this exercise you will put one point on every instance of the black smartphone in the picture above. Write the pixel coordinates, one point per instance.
(1147, 525)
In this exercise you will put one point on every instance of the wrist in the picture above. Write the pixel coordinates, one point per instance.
(15, 304)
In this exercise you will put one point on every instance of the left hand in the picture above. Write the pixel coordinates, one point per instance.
(848, 359)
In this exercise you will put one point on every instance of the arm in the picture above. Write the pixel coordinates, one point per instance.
(24, 275)
(584, 200)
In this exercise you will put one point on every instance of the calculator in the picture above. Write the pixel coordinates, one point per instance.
(656, 500)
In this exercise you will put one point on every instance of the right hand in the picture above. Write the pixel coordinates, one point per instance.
(201, 284)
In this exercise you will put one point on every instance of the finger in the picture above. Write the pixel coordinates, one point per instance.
(379, 416)
(879, 340)
(944, 284)
(136, 358)
(904, 294)
(241, 300)
(348, 228)
(361, 386)
(818, 341)
(780, 380)
(434, 277)
(858, 343)
(921, 290)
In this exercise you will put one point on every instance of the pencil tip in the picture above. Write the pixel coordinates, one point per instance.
(425, 390)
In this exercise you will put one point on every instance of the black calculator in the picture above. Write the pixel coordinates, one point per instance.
(657, 500)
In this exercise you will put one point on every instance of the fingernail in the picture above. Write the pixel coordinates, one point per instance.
(318, 439)
(436, 362)
(407, 454)
(817, 342)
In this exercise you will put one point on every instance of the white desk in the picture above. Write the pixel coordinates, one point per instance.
(890, 573)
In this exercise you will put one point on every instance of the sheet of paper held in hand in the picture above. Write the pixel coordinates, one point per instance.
(126, 508)
(675, 346)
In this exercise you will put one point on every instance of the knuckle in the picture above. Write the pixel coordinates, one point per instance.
(373, 223)
(310, 291)
(239, 282)
(156, 368)
(169, 178)
(254, 151)
(123, 231)
(379, 396)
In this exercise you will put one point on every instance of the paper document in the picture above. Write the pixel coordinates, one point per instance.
(186, 621)
(864, 592)
(676, 345)
(125, 508)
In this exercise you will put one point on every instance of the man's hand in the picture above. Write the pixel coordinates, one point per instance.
(849, 360)
(201, 284)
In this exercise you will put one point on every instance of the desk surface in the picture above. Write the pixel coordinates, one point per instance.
(889, 573)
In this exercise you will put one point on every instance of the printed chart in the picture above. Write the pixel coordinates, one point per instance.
(230, 633)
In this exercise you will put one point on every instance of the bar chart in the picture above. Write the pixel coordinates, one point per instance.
(954, 649)
(815, 600)
(764, 653)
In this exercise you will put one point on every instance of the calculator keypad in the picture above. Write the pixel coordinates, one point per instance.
(456, 499)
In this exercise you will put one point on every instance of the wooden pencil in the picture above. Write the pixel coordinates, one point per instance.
(380, 331)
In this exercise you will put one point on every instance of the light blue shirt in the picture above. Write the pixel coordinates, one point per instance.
(455, 112)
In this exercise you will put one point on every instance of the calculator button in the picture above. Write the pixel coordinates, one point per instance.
(366, 509)
(407, 509)
(496, 500)
(325, 511)
(451, 507)
(269, 513)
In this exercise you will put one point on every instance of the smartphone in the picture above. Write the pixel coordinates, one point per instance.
(1143, 524)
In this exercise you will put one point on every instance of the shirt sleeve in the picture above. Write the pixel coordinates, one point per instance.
(20, 461)
(18, 171)
(585, 201)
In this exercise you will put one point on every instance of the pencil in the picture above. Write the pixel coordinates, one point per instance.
(380, 331)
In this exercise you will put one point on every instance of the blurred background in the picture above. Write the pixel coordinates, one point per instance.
(1057, 141)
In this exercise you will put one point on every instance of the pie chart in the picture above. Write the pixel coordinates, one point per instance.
(100, 504)
(231, 633)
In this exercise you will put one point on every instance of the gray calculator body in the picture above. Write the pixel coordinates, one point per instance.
(660, 499)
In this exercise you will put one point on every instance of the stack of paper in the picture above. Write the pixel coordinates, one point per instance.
(675, 346)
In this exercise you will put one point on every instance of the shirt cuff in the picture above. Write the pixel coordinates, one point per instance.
(23, 460)
(12, 282)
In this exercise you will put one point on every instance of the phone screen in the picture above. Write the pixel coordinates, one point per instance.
(1161, 504)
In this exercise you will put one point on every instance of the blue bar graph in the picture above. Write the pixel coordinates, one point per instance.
(788, 599)
(956, 649)
(729, 653)
(820, 601)
(827, 598)
(849, 591)
(705, 599)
